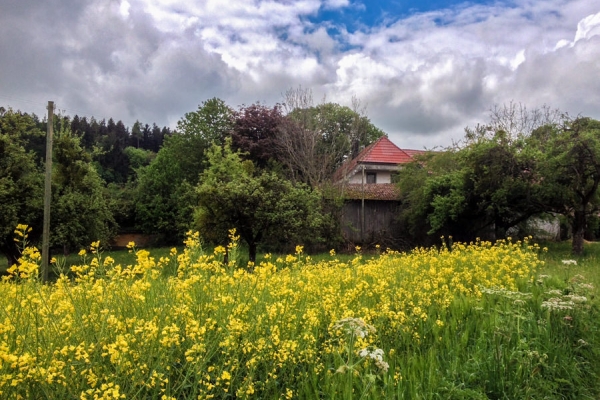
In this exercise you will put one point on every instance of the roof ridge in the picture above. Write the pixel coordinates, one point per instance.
(367, 150)
(381, 151)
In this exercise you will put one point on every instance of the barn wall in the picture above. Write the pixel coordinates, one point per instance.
(380, 221)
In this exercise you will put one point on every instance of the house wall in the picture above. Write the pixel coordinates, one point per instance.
(380, 225)
(356, 178)
(382, 177)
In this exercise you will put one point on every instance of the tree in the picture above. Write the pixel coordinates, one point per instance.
(505, 181)
(488, 184)
(80, 212)
(261, 207)
(21, 179)
(255, 131)
(211, 123)
(436, 197)
(313, 141)
(518, 122)
(137, 158)
(571, 172)
(165, 199)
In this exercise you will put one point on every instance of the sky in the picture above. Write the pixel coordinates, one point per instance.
(424, 70)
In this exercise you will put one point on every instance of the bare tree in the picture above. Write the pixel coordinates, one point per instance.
(314, 140)
(514, 121)
(299, 139)
(297, 98)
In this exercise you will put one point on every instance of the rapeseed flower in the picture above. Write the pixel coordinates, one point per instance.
(130, 331)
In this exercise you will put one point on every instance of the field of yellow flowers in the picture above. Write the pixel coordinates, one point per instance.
(462, 321)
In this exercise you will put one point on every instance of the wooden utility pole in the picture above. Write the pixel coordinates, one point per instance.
(47, 193)
(362, 209)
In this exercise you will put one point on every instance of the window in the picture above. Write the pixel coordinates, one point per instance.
(371, 177)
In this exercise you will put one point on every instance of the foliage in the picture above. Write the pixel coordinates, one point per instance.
(80, 212)
(313, 141)
(497, 179)
(108, 143)
(21, 179)
(211, 123)
(137, 159)
(461, 322)
(261, 207)
(165, 198)
(255, 131)
(571, 172)
(438, 197)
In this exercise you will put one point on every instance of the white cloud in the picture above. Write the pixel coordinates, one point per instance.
(333, 4)
(124, 8)
(588, 27)
(424, 77)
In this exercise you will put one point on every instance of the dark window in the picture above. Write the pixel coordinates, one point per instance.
(371, 177)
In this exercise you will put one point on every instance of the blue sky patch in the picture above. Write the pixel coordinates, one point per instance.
(361, 15)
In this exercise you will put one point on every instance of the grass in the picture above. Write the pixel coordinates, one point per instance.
(588, 264)
(480, 322)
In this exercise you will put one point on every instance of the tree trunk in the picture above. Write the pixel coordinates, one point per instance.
(252, 251)
(12, 254)
(12, 259)
(579, 222)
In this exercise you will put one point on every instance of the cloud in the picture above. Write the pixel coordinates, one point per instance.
(586, 29)
(424, 77)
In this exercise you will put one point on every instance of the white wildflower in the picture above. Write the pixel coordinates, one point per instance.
(576, 299)
(355, 327)
(577, 278)
(509, 294)
(377, 356)
(586, 286)
(556, 303)
(382, 365)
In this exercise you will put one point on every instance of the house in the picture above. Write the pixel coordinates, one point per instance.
(367, 184)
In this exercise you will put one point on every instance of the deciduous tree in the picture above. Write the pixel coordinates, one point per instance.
(313, 141)
(487, 184)
(80, 212)
(571, 172)
(166, 198)
(260, 206)
(21, 179)
(255, 131)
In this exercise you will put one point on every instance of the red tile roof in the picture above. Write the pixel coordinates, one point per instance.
(382, 151)
(414, 153)
(372, 191)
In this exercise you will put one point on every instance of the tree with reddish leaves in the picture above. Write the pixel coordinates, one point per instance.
(255, 132)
